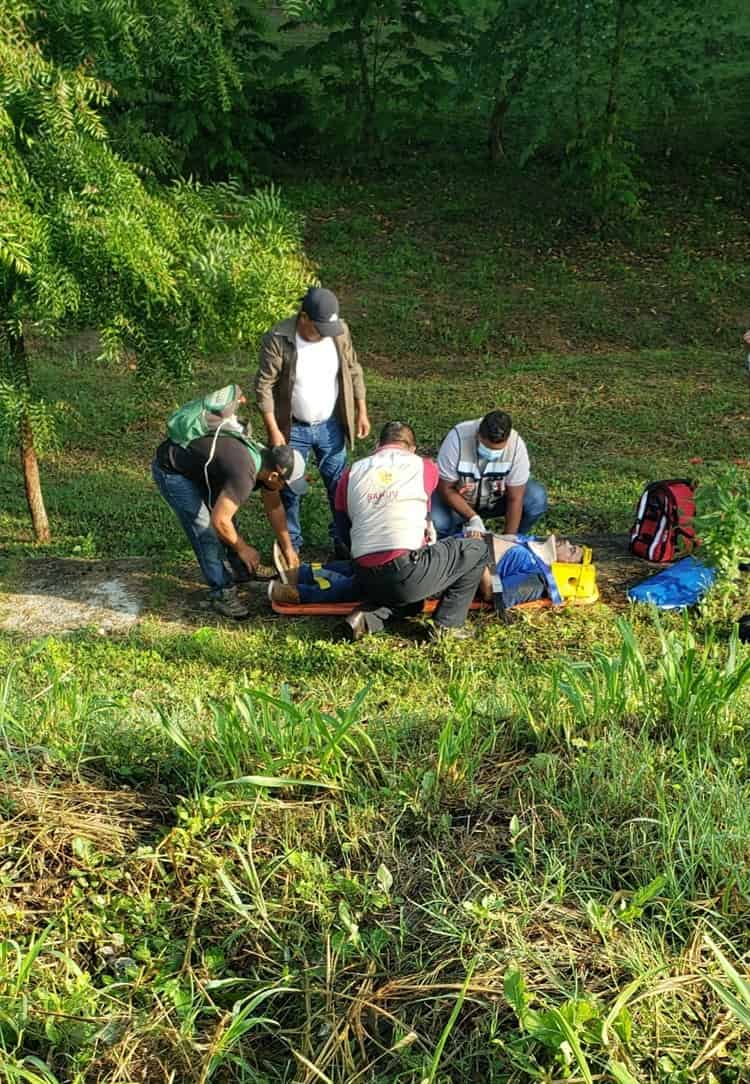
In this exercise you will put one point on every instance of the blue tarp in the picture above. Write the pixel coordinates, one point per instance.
(680, 585)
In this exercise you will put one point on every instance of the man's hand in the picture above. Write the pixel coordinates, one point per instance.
(249, 557)
(363, 425)
(274, 434)
(290, 556)
(746, 338)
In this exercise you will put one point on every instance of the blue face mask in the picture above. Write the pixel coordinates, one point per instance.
(490, 454)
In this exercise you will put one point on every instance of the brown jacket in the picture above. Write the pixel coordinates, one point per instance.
(275, 377)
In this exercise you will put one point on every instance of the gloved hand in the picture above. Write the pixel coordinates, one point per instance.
(474, 528)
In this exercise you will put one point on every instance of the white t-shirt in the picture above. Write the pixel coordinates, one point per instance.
(515, 456)
(316, 383)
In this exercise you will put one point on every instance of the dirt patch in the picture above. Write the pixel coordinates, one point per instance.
(61, 595)
(616, 568)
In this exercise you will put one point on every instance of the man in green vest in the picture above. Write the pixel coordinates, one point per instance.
(206, 471)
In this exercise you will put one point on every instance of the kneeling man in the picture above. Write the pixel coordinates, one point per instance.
(382, 511)
(484, 474)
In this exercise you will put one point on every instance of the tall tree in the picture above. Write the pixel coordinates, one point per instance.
(163, 272)
(187, 74)
(380, 64)
(585, 76)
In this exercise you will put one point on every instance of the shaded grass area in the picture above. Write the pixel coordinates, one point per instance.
(618, 356)
(597, 427)
(257, 855)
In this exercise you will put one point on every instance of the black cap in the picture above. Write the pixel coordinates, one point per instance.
(322, 306)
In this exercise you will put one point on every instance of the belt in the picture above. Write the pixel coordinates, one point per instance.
(298, 421)
(389, 566)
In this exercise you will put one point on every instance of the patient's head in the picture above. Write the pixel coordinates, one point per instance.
(568, 553)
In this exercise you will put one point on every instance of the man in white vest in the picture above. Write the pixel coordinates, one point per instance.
(485, 474)
(382, 509)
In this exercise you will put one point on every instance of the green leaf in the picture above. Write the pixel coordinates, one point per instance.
(384, 878)
(272, 781)
(621, 1073)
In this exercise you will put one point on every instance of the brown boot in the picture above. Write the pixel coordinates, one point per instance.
(284, 593)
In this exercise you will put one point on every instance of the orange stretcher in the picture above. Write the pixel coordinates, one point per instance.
(576, 583)
(342, 609)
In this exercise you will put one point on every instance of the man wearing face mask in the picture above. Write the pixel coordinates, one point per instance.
(484, 473)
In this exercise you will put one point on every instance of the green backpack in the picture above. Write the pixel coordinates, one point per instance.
(213, 415)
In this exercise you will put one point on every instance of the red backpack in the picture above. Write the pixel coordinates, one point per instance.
(663, 521)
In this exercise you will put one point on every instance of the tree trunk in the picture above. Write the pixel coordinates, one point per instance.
(29, 462)
(579, 69)
(31, 481)
(504, 96)
(369, 135)
(610, 112)
(495, 146)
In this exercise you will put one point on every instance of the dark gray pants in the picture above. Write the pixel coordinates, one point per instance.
(451, 568)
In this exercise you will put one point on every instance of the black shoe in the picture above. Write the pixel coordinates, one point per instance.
(354, 627)
(439, 633)
(744, 629)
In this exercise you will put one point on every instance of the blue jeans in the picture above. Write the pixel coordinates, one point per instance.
(220, 566)
(447, 521)
(327, 441)
(339, 577)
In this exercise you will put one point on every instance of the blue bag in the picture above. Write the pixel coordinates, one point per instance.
(683, 584)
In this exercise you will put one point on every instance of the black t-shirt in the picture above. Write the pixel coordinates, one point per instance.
(232, 470)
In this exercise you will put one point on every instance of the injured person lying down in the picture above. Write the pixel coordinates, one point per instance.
(520, 569)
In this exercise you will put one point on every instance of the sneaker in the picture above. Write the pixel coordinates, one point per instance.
(283, 592)
(229, 604)
(354, 627)
(438, 633)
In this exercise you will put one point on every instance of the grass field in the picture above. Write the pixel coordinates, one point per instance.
(258, 855)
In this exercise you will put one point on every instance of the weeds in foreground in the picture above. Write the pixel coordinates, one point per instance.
(688, 686)
(259, 735)
(347, 895)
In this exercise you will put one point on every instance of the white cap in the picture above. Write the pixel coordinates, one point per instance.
(296, 480)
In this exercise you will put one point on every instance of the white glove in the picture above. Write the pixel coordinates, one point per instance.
(475, 524)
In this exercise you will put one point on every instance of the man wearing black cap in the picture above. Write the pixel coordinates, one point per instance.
(311, 391)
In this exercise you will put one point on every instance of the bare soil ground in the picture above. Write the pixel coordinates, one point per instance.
(56, 596)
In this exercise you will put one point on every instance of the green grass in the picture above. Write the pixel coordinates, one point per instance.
(257, 855)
